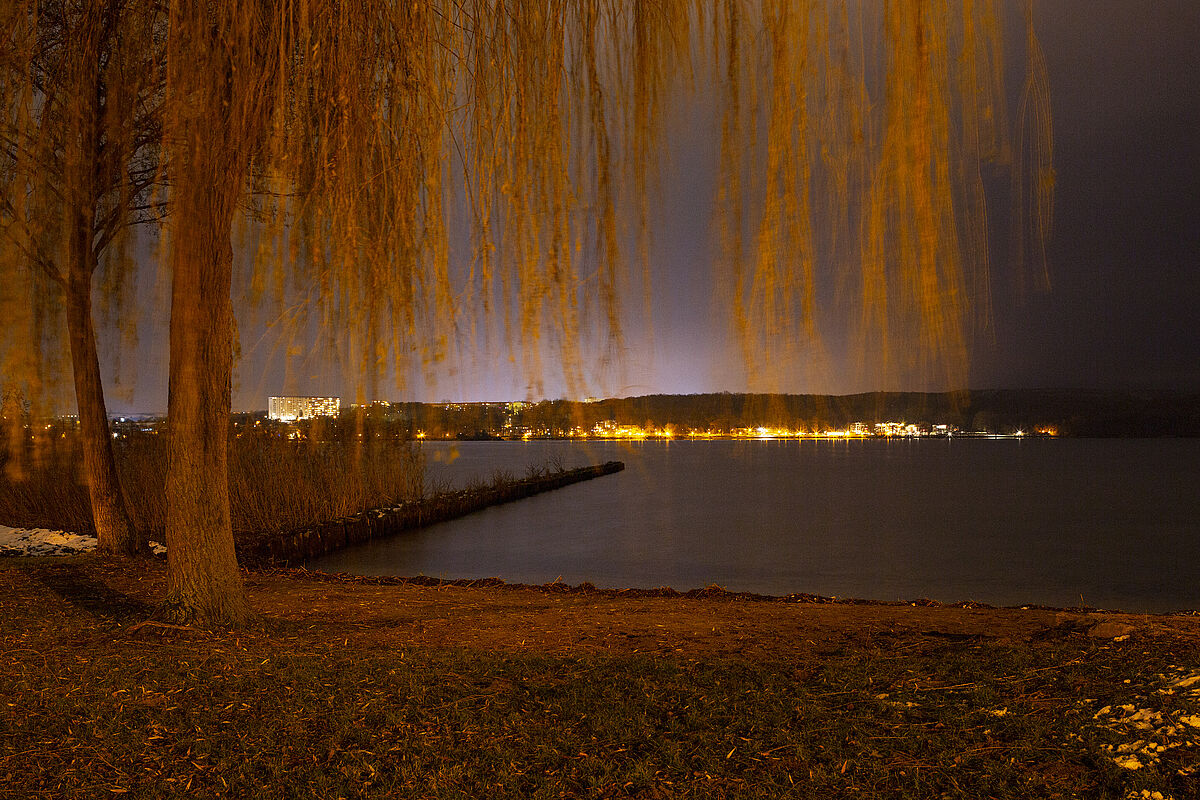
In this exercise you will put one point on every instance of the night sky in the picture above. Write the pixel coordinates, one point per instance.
(1124, 257)
(1125, 253)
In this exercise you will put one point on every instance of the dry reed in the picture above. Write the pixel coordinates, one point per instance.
(274, 483)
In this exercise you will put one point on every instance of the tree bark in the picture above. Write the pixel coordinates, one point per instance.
(209, 130)
(203, 581)
(83, 188)
(114, 530)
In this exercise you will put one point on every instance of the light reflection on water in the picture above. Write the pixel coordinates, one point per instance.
(1109, 523)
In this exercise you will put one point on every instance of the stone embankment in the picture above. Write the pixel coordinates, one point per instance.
(291, 548)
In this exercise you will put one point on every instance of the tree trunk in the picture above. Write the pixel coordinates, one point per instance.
(114, 530)
(215, 80)
(81, 161)
(203, 581)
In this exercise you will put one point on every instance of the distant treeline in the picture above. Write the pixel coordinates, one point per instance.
(1068, 412)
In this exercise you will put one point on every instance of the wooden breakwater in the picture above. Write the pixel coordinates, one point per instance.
(296, 546)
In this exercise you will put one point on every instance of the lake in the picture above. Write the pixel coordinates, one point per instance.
(1111, 523)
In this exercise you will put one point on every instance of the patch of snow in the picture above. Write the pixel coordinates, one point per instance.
(41, 542)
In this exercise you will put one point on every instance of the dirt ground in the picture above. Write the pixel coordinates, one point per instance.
(561, 620)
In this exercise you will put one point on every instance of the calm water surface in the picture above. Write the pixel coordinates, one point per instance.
(1107, 523)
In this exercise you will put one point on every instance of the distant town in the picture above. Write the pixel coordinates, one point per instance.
(523, 420)
(982, 414)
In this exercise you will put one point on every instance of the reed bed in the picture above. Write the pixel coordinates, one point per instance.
(275, 483)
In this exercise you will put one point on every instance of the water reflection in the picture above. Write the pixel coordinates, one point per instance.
(1109, 523)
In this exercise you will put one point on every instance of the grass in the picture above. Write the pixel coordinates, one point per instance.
(274, 484)
(324, 699)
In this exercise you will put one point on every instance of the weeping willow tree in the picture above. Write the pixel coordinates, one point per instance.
(359, 143)
(78, 146)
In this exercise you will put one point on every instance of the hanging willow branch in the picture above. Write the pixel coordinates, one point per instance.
(411, 164)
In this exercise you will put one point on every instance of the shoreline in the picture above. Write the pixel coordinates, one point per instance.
(287, 589)
(585, 589)
(708, 592)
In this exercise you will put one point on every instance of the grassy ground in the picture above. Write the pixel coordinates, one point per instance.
(375, 689)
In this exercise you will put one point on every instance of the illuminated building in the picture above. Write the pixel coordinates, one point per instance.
(290, 409)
